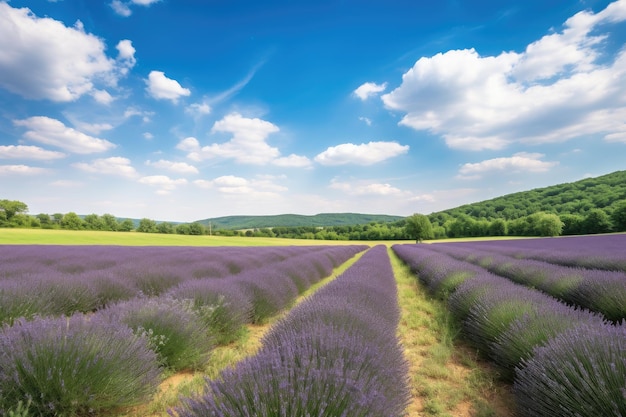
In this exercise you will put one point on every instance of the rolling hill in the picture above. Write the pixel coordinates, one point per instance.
(296, 220)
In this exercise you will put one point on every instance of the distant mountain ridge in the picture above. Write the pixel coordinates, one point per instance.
(297, 220)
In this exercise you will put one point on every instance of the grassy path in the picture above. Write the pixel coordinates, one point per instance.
(446, 378)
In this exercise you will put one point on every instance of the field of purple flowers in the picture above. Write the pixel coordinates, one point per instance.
(88, 329)
(550, 313)
(335, 354)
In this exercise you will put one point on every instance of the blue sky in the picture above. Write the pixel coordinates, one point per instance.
(185, 110)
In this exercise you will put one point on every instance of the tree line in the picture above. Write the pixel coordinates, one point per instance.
(417, 227)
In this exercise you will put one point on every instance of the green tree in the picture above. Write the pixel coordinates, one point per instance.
(197, 229)
(418, 227)
(71, 221)
(497, 228)
(126, 225)
(572, 224)
(12, 207)
(110, 222)
(596, 221)
(619, 217)
(165, 227)
(93, 222)
(147, 226)
(547, 224)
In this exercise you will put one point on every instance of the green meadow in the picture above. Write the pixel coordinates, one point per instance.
(92, 237)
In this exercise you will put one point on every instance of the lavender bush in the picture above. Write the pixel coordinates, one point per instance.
(74, 366)
(534, 329)
(223, 306)
(175, 332)
(580, 372)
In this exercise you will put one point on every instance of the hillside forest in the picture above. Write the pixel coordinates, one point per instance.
(589, 206)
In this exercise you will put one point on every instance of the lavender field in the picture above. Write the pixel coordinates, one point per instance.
(90, 329)
(550, 313)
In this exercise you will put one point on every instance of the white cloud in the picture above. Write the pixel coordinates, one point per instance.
(102, 96)
(126, 55)
(179, 167)
(363, 154)
(293, 161)
(519, 162)
(93, 128)
(198, 109)
(366, 120)
(233, 185)
(115, 165)
(28, 152)
(148, 136)
(361, 188)
(367, 90)
(41, 58)
(123, 8)
(163, 183)
(53, 132)
(161, 87)
(248, 144)
(561, 87)
(20, 170)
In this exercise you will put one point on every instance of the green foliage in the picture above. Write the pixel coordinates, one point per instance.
(71, 221)
(10, 208)
(619, 217)
(295, 220)
(418, 227)
(596, 221)
(147, 226)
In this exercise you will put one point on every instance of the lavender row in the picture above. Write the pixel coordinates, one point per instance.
(594, 289)
(61, 280)
(593, 251)
(521, 330)
(335, 354)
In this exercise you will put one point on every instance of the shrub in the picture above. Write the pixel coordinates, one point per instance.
(580, 372)
(221, 304)
(177, 334)
(534, 329)
(74, 366)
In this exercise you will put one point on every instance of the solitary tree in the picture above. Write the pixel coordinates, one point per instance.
(418, 227)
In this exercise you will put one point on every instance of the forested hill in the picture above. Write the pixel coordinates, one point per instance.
(574, 199)
(296, 220)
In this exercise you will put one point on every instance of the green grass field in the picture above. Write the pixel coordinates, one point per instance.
(88, 237)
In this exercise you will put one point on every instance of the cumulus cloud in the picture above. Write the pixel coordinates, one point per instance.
(519, 162)
(162, 88)
(162, 183)
(28, 152)
(115, 165)
(198, 109)
(363, 154)
(20, 170)
(361, 188)
(367, 90)
(41, 58)
(126, 55)
(233, 185)
(248, 143)
(52, 132)
(179, 167)
(560, 87)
